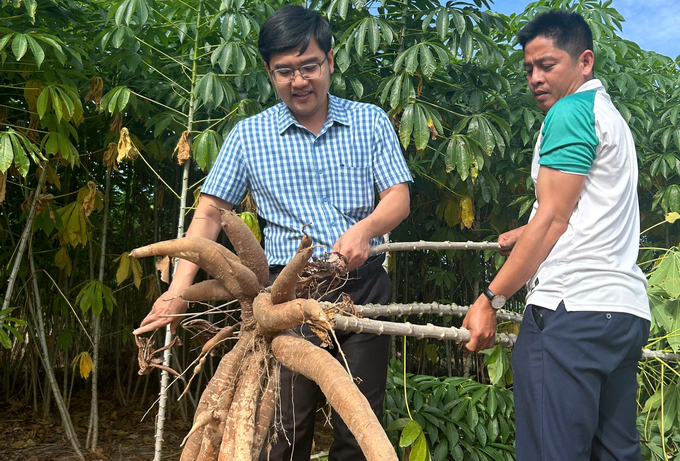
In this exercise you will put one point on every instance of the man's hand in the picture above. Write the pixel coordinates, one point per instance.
(480, 321)
(167, 303)
(508, 239)
(354, 245)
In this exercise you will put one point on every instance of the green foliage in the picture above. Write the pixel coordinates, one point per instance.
(8, 328)
(457, 418)
(95, 295)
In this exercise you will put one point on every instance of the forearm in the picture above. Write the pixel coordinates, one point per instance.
(206, 224)
(393, 208)
(535, 242)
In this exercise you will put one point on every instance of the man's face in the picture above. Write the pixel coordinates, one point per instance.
(552, 73)
(305, 98)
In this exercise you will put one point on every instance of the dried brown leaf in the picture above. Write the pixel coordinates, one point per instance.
(32, 130)
(126, 149)
(110, 156)
(182, 149)
(116, 123)
(89, 200)
(95, 93)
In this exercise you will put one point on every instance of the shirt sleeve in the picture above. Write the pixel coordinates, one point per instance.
(389, 166)
(569, 136)
(228, 177)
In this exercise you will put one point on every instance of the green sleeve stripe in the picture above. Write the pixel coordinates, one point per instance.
(569, 139)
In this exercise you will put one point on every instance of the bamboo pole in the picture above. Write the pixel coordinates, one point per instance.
(165, 377)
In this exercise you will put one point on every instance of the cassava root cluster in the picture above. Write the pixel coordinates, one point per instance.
(236, 411)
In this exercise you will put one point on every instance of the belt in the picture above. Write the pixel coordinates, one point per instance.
(372, 263)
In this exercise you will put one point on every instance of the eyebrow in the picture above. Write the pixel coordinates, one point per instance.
(541, 60)
(312, 60)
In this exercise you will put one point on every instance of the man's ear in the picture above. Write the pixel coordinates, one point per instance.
(587, 62)
(331, 61)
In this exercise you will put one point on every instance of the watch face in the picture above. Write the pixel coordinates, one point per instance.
(498, 301)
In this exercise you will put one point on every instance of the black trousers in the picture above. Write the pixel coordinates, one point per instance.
(575, 385)
(367, 356)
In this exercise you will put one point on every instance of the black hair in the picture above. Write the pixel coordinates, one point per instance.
(569, 31)
(292, 28)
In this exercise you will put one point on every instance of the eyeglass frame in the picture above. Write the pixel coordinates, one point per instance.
(274, 72)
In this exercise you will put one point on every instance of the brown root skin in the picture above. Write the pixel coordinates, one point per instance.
(207, 254)
(283, 288)
(246, 245)
(241, 281)
(223, 334)
(207, 290)
(266, 409)
(216, 395)
(272, 319)
(318, 365)
(306, 241)
(240, 426)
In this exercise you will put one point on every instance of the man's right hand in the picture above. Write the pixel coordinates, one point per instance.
(508, 239)
(166, 304)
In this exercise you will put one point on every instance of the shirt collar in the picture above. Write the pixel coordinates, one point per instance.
(337, 112)
(593, 84)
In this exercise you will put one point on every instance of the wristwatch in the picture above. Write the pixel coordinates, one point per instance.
(497, 301)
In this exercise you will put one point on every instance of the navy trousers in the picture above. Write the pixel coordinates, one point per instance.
(367, 356)
(575, 385)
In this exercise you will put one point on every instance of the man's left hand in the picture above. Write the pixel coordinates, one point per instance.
(353, 245)
(480, 321)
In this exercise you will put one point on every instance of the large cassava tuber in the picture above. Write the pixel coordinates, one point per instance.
(236, 410)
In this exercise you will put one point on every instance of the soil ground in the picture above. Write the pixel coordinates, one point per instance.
(27, 436)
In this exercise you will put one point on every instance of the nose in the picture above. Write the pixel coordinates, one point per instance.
(535, 78)
(298, 80)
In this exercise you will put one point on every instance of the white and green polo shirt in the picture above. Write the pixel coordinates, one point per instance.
(592, 267)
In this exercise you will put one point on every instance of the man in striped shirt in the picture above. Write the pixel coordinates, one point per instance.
(313, 158)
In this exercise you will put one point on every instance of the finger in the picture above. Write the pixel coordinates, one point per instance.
(150, 318)
(151, 327)
(472, 344)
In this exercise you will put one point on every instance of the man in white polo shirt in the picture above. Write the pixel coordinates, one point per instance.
(587, 315)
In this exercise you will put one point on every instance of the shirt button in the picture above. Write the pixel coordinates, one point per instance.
(333, 223)
(320, 171)
(324, 199)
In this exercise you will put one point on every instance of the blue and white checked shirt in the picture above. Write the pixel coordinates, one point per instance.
(328, 180)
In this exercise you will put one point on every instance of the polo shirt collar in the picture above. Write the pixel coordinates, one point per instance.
(593, 84)
(337, 113)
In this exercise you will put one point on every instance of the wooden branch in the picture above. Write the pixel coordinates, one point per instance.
(378, 327)
(413, 246)
(382, 310)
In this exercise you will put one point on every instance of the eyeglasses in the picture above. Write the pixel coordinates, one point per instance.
(308, 72)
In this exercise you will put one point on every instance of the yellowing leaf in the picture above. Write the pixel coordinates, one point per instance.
(474, 171)
(63, 260)
(32, 91)
(136, 271)
(251, 221)
(123, 271)
(452, 212)
(85, 363)
(467, 212)
(670, 217)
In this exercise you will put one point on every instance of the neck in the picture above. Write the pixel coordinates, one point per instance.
(314, 121)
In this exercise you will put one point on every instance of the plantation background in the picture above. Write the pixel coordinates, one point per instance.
(159, 84)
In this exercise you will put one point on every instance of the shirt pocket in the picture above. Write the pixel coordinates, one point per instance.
(352, 190)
